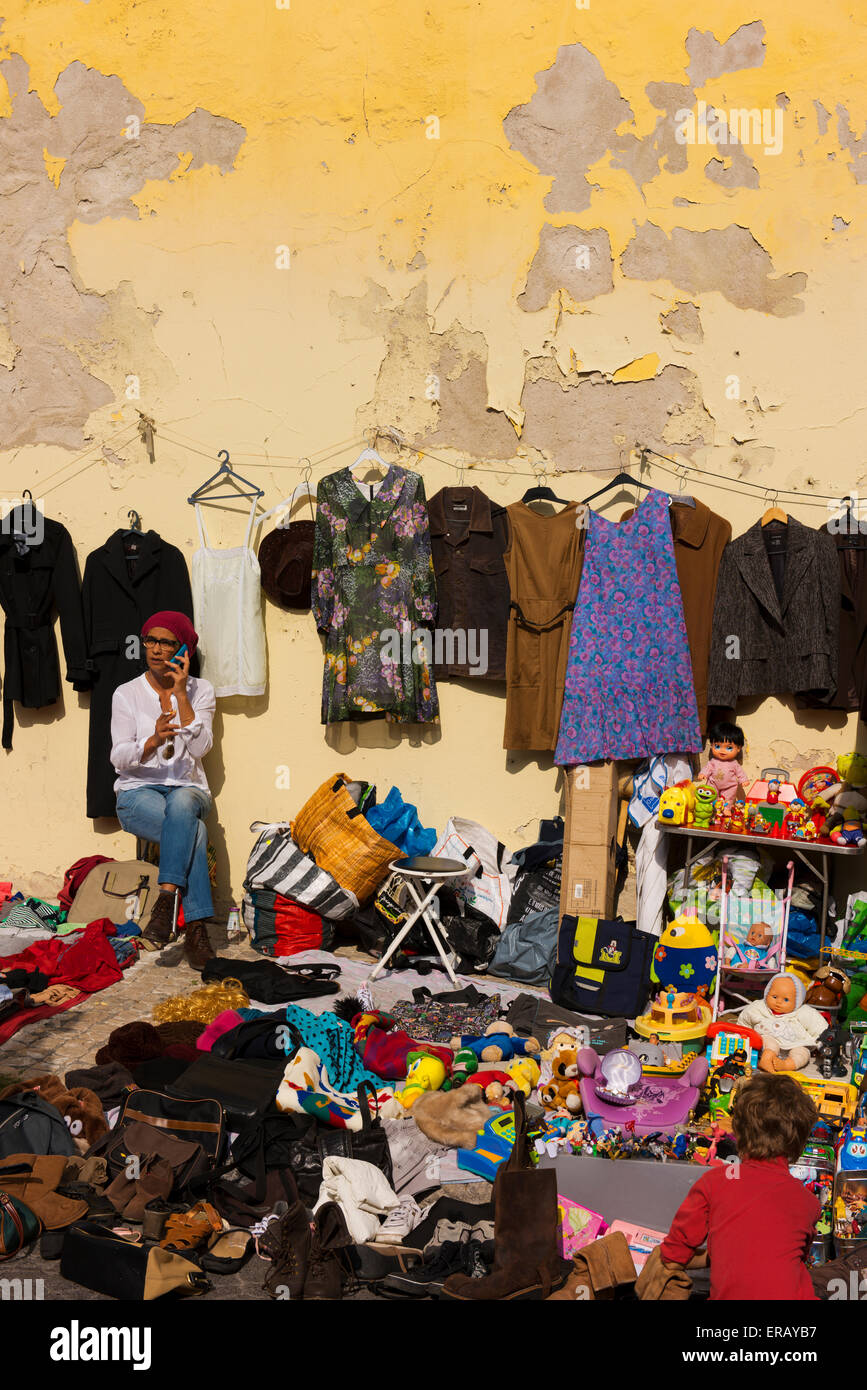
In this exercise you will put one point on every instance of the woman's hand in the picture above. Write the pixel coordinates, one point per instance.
(164, 727)
(179, 668)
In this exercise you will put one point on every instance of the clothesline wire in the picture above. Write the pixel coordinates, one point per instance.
(650, 458)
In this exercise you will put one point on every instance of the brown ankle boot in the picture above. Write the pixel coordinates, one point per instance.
(197, 946)
(159, 927)
(328, 1262)
(289, 1248)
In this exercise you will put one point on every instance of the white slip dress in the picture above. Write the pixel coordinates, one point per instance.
(227, 604)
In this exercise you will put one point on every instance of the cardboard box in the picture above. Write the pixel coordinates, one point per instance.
(587, 887)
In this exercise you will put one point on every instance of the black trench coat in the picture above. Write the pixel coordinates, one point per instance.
(32, 585)
(115, 606)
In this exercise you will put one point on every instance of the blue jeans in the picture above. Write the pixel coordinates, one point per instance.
(173, 817)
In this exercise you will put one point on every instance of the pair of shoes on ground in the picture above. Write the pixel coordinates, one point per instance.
(310, 1260)
(158, 932)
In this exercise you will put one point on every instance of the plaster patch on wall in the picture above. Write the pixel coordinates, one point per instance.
(728, 260)
(587, 422)
(708, 57)
(856, 147)
(735, 169)
(823, 116)
(684, 321)
(92, 172)
(643, 158)
(568, 124)
(465, 420)
(568, 258)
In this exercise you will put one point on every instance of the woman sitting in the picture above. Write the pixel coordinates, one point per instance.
(160, 731)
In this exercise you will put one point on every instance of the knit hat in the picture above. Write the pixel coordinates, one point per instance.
(800, 988)
(178, 624)
(108, 1082)
(131, 1044)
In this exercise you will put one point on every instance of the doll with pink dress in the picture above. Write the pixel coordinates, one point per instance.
(723, 771)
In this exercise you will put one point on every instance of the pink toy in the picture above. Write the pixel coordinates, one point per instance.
(657, 1102)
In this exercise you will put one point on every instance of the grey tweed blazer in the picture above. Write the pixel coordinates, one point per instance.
(762, 645)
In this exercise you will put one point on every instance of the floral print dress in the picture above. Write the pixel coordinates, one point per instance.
(629, 685)
(374, 597)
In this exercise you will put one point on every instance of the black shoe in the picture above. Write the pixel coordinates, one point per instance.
(425, 1280)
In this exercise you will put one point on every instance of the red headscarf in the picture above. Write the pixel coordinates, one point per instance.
(178, 624)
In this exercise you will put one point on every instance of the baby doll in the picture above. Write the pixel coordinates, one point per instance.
(724, 771)
(788, 1027)
(754, 952)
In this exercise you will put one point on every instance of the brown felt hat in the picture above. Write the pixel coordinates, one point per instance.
(131, 1044)
(286, 562)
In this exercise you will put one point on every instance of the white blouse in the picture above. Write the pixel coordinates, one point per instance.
(135, 708)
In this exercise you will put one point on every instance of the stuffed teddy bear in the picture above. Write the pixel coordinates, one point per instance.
(562, 1091)
(499, 1044)
(846, 802)
(828, 989)
(788, 1028)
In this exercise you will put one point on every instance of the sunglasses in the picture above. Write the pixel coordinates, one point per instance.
(166, 644)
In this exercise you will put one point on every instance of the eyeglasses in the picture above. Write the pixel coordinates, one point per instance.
(167, 644)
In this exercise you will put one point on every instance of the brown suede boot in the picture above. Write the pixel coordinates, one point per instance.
(602, 1270)
(289, 1247)
(328, 1261)
(527, 1262)
(159, 928)
(197, 946)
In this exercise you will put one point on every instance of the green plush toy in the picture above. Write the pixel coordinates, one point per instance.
(465, 1064)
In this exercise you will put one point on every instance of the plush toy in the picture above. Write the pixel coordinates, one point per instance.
(562, 1091)
(496, 1085)
(499, 1044)
(425, 1073)
(788, 1028)
(464, 1064)
(525, 1073)
(846, 802)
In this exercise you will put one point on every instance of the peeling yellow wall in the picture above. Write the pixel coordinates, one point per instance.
(495, 243)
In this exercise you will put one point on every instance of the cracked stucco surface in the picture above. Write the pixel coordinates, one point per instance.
(424, 179)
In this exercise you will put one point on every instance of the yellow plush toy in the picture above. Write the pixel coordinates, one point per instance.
(426, 1073)
(525, 1073)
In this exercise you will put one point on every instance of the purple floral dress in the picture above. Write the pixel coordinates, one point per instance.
(629, 686)
(374, 599)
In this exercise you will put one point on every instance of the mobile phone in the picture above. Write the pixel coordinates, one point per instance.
(182, 651)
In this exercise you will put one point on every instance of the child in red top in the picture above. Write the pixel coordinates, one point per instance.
(756, 1219)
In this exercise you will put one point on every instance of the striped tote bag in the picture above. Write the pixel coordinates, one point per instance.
(277, 864)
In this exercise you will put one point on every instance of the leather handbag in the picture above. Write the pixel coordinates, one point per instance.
(333, 829)
(602, 966)
(121, 890)
(19, 1226)
(98, 1259)
(244, 1087)
(199, 1123)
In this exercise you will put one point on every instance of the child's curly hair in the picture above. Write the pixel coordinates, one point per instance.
(204, 1004)
(772, 1117)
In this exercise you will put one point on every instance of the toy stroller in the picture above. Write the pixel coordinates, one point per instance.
(752, 935)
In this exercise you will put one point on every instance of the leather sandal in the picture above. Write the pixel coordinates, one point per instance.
(191, 1229)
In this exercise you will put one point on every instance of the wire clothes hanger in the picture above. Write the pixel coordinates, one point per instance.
(681, 497)
(225, 470)
(303, 488)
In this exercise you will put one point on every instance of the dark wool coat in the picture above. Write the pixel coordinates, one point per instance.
(851, 693)
(116, 602)
(782, 647)
(32, 586)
